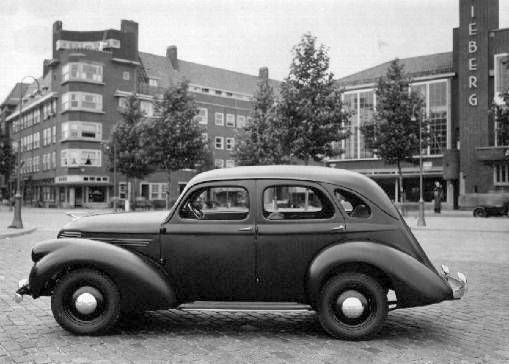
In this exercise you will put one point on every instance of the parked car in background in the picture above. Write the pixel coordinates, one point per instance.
(275, 237)
(491, 210)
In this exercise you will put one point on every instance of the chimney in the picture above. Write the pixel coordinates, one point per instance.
(263, 73)
(171, 53)
(57, 29)
(129, 26)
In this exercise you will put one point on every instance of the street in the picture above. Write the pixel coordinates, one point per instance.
(474, 329)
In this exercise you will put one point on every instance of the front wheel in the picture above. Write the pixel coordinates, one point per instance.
(86, 302)
(480, 212)
(352, 306)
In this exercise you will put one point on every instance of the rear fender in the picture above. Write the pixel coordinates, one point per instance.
(414, 283)
(142, 285)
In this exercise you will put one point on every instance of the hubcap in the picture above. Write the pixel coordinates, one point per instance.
(352, 307)
(86, 303)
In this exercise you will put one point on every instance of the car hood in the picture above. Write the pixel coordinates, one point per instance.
(132, 222)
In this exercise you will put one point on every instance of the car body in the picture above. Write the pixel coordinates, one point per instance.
(491, 210)
(325, 239)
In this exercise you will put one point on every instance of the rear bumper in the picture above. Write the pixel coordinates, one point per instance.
(458, 285)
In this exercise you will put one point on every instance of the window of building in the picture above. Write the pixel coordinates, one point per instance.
(46, 136)
(82, 101)
(54, 134)
(219, 163)
(230, 163)
(205, 137)
(82, 130)
(437, 112)
(216, 203)
(501, 174)
(123, 190)
(203, 115)
(501, 69)
(230, 120)
(80, 157)
(241, 121)
(82, 71)
(37, 140)
(230, 143)
(153, 82)
(36, 164)
(287, 202)
(353, 205)
(126, 75)
(219, 118)
(147, 107)
(122, 102)
(29, 142)
(53, 160)
(154, 191)
(219, 141)
(37, 116)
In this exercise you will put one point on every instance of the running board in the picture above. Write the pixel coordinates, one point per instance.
(244, 306)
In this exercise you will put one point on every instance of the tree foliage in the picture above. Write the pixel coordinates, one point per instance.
(259, 143)
(311, 109)
(174, 138)
(394, 133)
(501, 112)
(7, 157)
(133, 157)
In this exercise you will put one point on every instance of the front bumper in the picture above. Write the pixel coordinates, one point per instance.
(458, 285)
(23, 288)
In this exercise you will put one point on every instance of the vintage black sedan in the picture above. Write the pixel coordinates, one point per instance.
(274, 237)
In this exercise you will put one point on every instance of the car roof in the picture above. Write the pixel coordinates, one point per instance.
(341, 177)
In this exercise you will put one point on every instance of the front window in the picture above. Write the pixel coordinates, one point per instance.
(82, 101)
(82, 71)
(81, 130)
(287, 202)
(80, 157)
(216, 203)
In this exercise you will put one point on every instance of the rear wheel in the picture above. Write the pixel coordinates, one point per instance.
(480, 212)
(352, 306)
(86, 302)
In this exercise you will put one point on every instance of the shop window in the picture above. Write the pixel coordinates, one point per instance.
(353, 205)
(97, 194)
(216, 203)
(287, 202)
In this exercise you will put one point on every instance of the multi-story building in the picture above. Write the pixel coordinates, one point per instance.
(459, 87)
(67, 115)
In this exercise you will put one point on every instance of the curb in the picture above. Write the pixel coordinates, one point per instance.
(17, 233)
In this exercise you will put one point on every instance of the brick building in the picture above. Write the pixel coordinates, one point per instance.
(67, 115)
(458, 88)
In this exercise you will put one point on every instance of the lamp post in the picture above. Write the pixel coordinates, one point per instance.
(17, 223)
(114, 174)
(420, 219)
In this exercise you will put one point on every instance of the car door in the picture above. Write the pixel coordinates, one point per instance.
(295, 220)
(210, 252)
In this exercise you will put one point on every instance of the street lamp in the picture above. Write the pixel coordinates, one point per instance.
(420, 219)
(17, 223)
(114, 174)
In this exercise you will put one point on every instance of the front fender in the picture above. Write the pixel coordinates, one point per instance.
(414, 283)
(142, 285)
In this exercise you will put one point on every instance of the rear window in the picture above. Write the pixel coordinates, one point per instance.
(288, 202)
(353, 205)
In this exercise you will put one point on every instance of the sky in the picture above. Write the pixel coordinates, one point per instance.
(239, 35)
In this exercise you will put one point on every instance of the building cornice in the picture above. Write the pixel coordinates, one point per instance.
(32, 104)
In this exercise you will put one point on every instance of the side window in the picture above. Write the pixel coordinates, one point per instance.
(287, 202)
(216, 203)
(353, 205)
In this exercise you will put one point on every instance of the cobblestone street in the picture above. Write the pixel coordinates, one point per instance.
(474, 329)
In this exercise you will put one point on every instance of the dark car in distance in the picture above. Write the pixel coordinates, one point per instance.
(275, 237)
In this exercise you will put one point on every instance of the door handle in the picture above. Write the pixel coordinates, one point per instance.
(249, 228)
(341, 227)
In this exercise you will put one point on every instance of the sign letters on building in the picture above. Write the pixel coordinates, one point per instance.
(472, 59)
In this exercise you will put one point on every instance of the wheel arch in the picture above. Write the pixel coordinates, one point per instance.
(140, 282)
(413, 282)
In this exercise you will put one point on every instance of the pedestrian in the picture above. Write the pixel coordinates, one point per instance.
(437, 196)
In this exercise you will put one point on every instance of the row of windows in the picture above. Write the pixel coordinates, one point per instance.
(80, 157)
(216, 92)
(230, 120)
(82, 101)
(33, 116)
(82, 71)
(33, 141)
(82, 130)
(362, 107)
(280, 202)
(222, 163)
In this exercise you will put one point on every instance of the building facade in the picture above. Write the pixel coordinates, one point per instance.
(458, 89)
(67, 115)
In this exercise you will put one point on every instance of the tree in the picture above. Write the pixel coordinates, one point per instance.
(311, 110)
(175, 137)
(259, 143)
(394, 133)
(501, 112)
(7, 157)
(133, 158)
